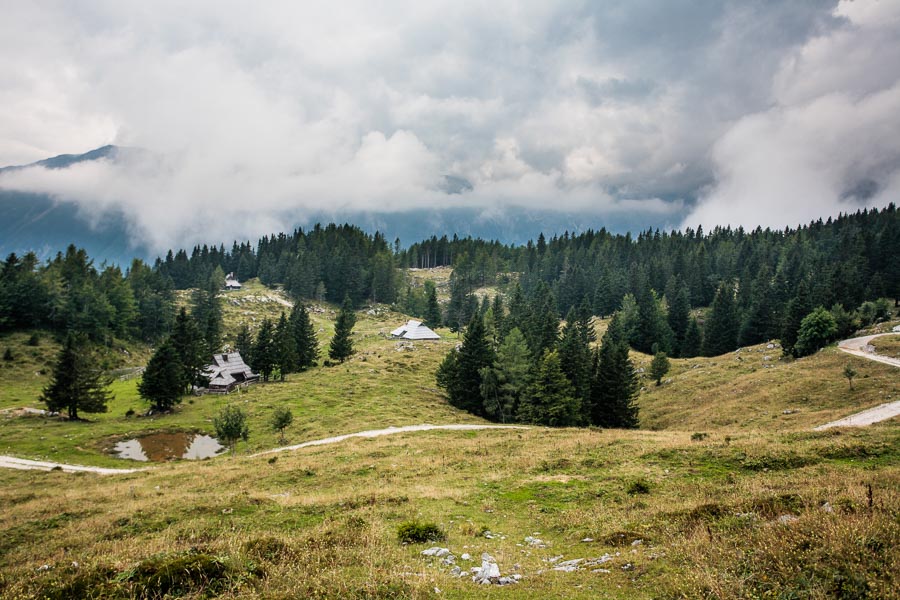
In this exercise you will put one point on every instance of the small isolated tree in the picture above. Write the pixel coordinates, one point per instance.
(231, 426)
(162, 382)
(816, 330)
(77, 384)
(659, 367)
(281, 420)
(342, 344)
(849, 373)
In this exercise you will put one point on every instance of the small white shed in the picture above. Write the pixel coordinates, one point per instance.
(414, 330)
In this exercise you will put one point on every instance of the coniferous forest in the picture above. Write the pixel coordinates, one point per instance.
(679, 294)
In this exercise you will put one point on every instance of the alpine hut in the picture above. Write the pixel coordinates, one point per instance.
(231, 282)
(414, 330)
(227, 371)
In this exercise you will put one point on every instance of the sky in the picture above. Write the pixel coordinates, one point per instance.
(245, 117)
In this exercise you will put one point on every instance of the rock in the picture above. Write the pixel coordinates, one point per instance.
(637, 542)
(535, 542)
(489, 572)
(770, 346)
(456, 572)
(466, 556)
(788, 519)
(569, 565)
(593, 562)
(587, 540)
(436, 551)
(827, 507)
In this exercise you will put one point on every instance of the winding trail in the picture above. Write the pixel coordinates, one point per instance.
(11, 462)
(861, 347)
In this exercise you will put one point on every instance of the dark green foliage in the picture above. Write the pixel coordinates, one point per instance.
(432, 309)
(190, 573)
(231, 426)
(817, 329)
(721, 332)
(549, 398)
(162, 383)
(264, 357)
(651, 326)
(188, 343)
(415, 532)
(638, 486)
(460, 372)
(207, 314)
(510, 375)
(243, 343)
(8, 355)
(614, 386)
(760, 319)
(678, 317)
(659, 367)
(798, 307)
(305, 341)
(77, 383)
(281, 420)
(845, 322)
(693, 340)
(575, 354)
(542, 324)
(285, 347)
(34, 341)
(849, 373)
(342, 344)
(384, 277)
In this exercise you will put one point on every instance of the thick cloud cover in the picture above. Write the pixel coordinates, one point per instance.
(253, 115)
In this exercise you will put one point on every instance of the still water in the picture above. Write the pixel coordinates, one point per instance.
(159, 447)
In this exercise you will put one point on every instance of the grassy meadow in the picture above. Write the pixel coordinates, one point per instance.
(724, 492)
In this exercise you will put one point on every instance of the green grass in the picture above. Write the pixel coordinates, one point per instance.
(888, 345)
(323, 521)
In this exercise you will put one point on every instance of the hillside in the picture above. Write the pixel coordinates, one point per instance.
(719, 473)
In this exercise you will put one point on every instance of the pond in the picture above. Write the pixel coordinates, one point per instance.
(159, 447)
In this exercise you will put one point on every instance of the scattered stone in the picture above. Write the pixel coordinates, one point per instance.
(628, 567)
(489, 573)
(637, 542)
(587, 540)
(436, 551)
(553, 559)
(789, 411)
(535, 542)
(601, 571)
(569, 565)
(44, 568)
(788, 519)
(770, 346)
(456, 572)
(488, 534)
(827, 507)
(466, 556)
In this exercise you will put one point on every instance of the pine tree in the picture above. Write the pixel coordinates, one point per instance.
(798, 307)
(723, 323)
(542, 326)
(305, 340)
(615, 384)
(263, 358)
(191, 349)
(679, 301)
(162, 383)
(243, 343)
(207, 314)
(499, 314)
(285, 347)
(549, 398)
(575, 355)
(461, 375)
(693, 340)
(342, 344)
(651, 327)
(759, 321)
(77, 383)
(510, 375)
(659, 367)
(432, 309)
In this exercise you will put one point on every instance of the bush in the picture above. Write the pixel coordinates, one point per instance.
(638, 486)
(413, 532)
(34, 340)
(699, 436)
(8, 355)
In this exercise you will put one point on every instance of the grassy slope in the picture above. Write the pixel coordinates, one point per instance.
(888, 346)
(334, 510)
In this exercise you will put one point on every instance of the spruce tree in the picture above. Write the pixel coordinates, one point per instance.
(659, 367)
(342, 344)
(679, 316)
(191, 350)
(77, 383)
(509, 376)
(615, 384)
(162, 383)
(758, 324)
(243, 343)
(575, 355)
(722, 325)
(542, 326)
(305, 340)
(549, 398)
(475, 353)
(693, 340)
(797, 308)
(264, 358)
(432, 309)
(285, 347)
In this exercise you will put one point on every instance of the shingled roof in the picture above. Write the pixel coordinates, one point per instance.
(414, 330)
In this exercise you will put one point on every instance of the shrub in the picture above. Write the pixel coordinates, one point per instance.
(699, 436)
(414, 532)
(8, 355)
(638, 486)
(129, 412)
(34, 340)
(183, 574)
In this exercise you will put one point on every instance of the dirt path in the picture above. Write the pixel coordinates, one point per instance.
(862, 347)
(389, 431)
(11, 462)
